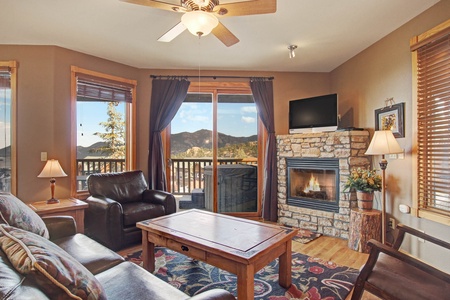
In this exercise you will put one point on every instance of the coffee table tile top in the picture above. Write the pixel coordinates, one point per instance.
(239, 234)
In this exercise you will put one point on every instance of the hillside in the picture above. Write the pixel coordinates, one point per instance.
(183, 141)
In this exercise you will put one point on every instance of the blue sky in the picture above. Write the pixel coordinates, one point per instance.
(90, 114)
(236, 119)
(5, 117)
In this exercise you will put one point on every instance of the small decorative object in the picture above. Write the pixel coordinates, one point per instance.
(391, 118)
(365, 182)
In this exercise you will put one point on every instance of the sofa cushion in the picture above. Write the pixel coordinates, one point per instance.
(134, 212)
(53, 269)
(15, 213)
(139, 284)
(94, 256)
(14, 285)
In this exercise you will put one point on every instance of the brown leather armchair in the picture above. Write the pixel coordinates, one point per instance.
(116, 202)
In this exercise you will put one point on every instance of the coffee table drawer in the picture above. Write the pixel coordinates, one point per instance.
(186, 250)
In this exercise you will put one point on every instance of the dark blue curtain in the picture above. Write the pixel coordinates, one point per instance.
(167, 97)
(262, 89)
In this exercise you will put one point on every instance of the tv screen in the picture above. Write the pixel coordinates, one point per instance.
(314, 113)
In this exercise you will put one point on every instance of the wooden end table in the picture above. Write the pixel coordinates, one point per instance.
(66, 207)
(239, 246)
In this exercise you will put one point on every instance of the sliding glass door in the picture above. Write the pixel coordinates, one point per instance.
(214, 160)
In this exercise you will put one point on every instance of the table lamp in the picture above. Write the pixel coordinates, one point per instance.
(51, 170)
(383, 142)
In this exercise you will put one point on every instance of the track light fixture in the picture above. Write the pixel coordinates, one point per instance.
(291, 49)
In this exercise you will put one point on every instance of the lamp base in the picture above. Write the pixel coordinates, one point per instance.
(52, 201)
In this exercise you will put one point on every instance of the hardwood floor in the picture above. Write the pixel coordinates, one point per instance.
(325, 247)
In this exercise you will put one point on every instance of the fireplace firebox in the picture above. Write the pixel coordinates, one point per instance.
(313, 183)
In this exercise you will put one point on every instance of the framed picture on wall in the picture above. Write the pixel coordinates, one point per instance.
(391, 117)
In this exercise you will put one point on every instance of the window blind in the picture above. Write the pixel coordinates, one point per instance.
(433, 117)
(89, 89)
(5, 79)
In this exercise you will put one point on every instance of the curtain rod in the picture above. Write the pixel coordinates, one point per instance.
(213, 77)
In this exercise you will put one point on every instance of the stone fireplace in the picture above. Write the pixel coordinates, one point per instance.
(312, 171)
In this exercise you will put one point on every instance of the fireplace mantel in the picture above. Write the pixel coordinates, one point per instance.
(347, 146)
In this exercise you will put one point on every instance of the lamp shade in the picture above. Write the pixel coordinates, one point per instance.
(199, 22)
(383, 142)
(52, 169)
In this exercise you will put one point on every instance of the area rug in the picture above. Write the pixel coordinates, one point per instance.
(305, 236)
(312, 278)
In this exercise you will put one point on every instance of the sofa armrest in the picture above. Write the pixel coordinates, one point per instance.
(160, 197)
(60, 226)
(215, 294)
(103, 221)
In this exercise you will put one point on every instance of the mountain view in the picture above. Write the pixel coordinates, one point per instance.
(199, 143)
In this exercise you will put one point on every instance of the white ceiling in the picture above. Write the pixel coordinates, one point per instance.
(327, 32)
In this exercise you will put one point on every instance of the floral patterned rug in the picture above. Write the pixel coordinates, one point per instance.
(305, 236)
(312, 278)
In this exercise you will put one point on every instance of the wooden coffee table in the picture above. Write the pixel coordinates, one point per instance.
(239, 246)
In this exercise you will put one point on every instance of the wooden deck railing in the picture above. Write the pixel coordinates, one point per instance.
(86, 167)
(189, 174)
(186, 174)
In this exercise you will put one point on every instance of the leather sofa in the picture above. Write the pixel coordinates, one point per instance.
(115, 278)
(117, 202)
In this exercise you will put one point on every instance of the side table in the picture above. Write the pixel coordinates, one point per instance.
(66, 207)
(365, 224)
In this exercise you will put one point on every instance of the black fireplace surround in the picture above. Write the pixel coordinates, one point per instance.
(313, 183)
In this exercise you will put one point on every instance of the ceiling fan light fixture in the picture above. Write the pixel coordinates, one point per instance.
(291, 50)
(199, 23)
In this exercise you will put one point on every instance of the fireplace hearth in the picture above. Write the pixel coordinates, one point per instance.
(312, 171)
(313, 183)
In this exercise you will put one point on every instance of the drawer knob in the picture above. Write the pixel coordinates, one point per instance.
(184, 248)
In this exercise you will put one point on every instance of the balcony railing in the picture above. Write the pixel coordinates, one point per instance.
(86, 167)
(186, 174)
(189, 174)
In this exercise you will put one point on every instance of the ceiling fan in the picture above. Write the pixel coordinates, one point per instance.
(200, 17)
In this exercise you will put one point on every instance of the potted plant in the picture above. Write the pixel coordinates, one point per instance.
(365, 182)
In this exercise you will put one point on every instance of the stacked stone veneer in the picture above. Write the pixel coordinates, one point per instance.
(347, 146)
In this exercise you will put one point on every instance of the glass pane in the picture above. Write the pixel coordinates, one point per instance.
(237, 129)
(192, 153)
(101, 146)
(5, 132)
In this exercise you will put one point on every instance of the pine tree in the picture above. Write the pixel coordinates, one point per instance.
(114, 137)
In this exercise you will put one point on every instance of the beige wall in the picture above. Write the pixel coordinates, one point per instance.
(381, 71)
(44, 107)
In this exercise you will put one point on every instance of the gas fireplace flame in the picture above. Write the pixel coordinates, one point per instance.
(313, 185)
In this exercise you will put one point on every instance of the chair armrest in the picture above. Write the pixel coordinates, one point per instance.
(378, 247)
(60, 226)
(215, 294)
(403, 229)
(162, 198)
(103, 221)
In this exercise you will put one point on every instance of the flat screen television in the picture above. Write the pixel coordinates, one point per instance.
(315, 114)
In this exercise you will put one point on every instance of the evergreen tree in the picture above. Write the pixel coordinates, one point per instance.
(114, 137)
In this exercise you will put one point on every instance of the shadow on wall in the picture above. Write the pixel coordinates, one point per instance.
(346, 119)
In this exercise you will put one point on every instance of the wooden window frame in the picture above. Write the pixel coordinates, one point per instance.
(416, 42)
(12, 67)
(130, 117)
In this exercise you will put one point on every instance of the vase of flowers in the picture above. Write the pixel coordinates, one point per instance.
(365, 182)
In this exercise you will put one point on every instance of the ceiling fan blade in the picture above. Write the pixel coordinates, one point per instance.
(225, 35)
(254, 7)
(175, 6)
(172, 33)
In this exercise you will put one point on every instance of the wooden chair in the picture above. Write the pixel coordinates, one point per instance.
(391, 274)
